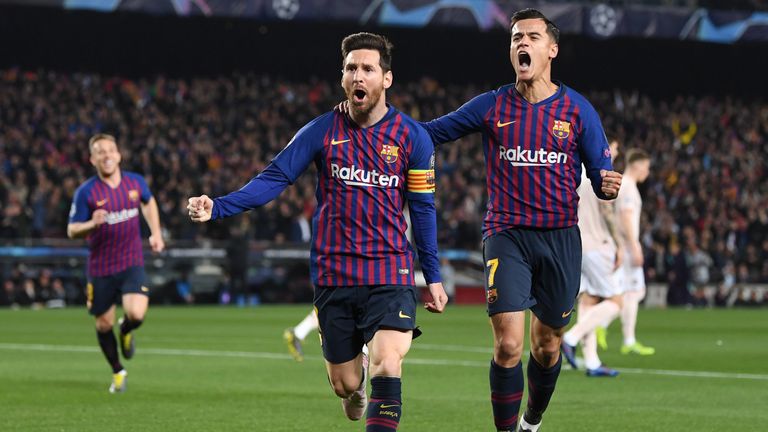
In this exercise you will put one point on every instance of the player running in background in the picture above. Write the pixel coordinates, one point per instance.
(294, 336)
(105, 209)
(601, 288)
(628, 207)
(369, 163)
(536, 135)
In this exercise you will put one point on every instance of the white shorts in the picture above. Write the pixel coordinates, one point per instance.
(632, 278)
(597, 276)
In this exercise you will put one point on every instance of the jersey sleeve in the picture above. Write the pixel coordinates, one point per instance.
(284, 169)
(79, 211)
(593, 148)
(469, 118)
(420, 179)
(420, 185)
(260, 190)
(146, 195)
(294, 159)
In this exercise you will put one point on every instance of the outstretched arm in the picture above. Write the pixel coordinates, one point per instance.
(260, 190)
(469, 118)
(284, 169)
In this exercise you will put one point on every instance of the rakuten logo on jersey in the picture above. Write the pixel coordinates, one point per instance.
(354, 176)
(121, 216)
(524, 157)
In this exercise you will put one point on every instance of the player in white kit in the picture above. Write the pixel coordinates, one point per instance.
(601, 291)
(628, 207)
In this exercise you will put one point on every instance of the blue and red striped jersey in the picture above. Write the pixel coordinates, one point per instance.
(364, 177)
(115, 245)
(533, 153)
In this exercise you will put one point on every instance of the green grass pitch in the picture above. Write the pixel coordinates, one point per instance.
(226, 369)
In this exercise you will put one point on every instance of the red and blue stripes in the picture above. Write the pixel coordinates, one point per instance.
(360, 230)
(117, 244)
(533, 154)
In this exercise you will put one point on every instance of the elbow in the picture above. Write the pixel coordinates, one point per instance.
(72, 233)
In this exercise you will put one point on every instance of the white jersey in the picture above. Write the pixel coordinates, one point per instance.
(598, 247)
(633, 278)
(594, 231)
(629, 198)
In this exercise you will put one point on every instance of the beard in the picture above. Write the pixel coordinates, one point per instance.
(370, 101)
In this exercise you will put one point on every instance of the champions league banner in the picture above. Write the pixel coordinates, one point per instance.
(595, 20)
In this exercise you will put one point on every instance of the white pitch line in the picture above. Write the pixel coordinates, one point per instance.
(414, 361)
(696, 374)
(454, 348)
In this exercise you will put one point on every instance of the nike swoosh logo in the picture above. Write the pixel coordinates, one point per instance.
(566, 314)
(334, 142)
(145, 289)
(387, 406)
(101, 203)
(501, 125)
(402, 315)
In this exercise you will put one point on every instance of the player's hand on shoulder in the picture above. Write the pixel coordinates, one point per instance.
(611, 183)
(99, 217)
(200, 208)
(439, 298)
(157, 243)
(342, 107)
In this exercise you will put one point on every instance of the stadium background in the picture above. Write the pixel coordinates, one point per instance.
(201, 103)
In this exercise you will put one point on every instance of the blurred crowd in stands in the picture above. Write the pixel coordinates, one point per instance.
(705, 218)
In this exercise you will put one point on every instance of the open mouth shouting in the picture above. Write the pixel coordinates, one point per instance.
(358, 96)
(524, 60)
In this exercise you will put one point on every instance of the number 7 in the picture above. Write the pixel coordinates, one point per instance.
(493, 264)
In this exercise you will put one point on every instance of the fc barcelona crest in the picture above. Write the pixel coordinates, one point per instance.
(430, 175)
(389, 153)
(491, 295)
(133, 194)
(561, 129)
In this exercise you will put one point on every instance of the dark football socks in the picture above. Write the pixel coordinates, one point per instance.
(385, 406)
(541, 385)
(129, 325)
(108, 344)
(506, 394)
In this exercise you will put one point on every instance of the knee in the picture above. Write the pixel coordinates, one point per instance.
(546, 355)
(344, 386)
(104, 324)
(634, 296)
(546, 351)
(507, 351)
(134, 315)
(389, 364)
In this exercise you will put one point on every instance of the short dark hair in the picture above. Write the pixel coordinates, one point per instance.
(369, 41)
(99, 137)
(531, 13)
(636, 155)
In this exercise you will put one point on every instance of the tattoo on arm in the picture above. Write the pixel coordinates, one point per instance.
(609, 217)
